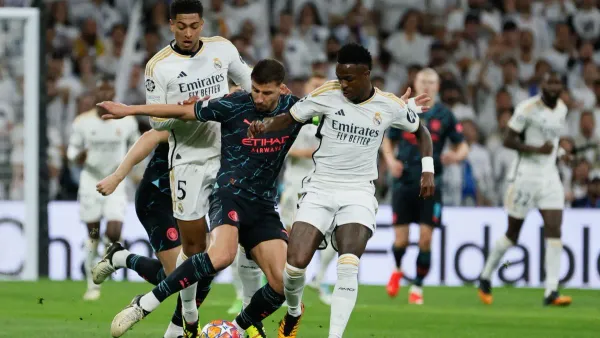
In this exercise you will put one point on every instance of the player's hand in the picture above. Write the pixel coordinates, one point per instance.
(420, 100)
(427, 185)
(108, 185)
(193, 100)
(546, 149)
(396, 168)
(256, 128)
(115, 110)
(285, 90)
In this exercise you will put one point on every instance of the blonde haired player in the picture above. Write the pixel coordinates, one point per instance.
(534, 183)
(99, 146)
(299, 164)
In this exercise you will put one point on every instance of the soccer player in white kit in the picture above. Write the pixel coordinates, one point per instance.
(299, 164)
(340, 191)
(534, 183)
(191, 66)
(99, 146)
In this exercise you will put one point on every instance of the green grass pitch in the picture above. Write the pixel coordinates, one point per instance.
(448, 312)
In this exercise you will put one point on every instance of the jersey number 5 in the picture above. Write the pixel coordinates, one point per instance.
(181, 190)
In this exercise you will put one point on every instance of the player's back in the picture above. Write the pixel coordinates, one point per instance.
(538, 124)
(350, 134)
(173, 78)
(106, 143)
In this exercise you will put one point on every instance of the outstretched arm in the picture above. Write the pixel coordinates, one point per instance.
(138, 152)
(270, 124)
(183, 111)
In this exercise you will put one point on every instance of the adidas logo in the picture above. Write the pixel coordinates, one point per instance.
(340, 112)
(182, 74)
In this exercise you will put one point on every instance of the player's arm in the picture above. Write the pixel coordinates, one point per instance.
(516, 127)
(301, 112)
(239, 71)
(76, 149)
(388, 146)
(160, 112)
(140, 150)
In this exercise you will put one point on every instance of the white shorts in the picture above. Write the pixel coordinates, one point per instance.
(289, 204)
(525, 194)
(93, 206)
(326, 206)
(191, 185)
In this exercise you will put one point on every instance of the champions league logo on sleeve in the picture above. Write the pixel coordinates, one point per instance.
(150, 85)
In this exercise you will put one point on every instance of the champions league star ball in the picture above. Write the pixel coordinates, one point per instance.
(220, 329)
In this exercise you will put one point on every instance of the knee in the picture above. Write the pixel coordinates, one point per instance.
(222, 258)
(298, 259)
(191, 246)
(552, 231)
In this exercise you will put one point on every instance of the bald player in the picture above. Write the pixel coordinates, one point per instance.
(401, 153)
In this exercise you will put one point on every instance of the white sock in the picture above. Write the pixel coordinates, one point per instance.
(344, 295)
(250, 276)
(293, 286)
(188, 296)
(173, 331)
(91, 251)
(502, 244)
(327, 256)
(235, 277)
(149, 302)
(552, 264)
(119, 259)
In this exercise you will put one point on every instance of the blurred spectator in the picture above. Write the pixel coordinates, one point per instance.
(408, 46)
(586, 20)
(100, 11)
(108, 62)
(581, 172)
(587, 143)
(89, 42)
(478, 178)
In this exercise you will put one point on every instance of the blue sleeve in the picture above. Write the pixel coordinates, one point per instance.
(216, 109)
(394, 134)
(454, 132)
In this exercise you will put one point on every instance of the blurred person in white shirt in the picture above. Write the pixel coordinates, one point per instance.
(310, 28)
(391, 11)
(491, 19)
(108, 62)
(520, 11)
(471, 44)
(98, 147)
(587, 143)
(407, 45)
(586, 20)
(485, 76)
(560, 54)
(486, 119)
(581, 172)
(583, 90)
(215, 21)
(99, 10)
(451, 95)
(239, 11)
(510, 78)
(477, 178)
(502, 157)
(554, 11)
(527, 57)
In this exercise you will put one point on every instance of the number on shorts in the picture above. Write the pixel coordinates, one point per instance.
(522, 198)
(181, 190)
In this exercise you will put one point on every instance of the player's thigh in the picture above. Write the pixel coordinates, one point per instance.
(153, 209)
(352, 238)
(520, 198)
(405, 209)
(90, 207)
(191, 186)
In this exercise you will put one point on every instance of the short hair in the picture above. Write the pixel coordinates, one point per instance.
(509, 26)
(510, 61)
(267, 71)
(354, 54)
(186, 7)
(472, 17)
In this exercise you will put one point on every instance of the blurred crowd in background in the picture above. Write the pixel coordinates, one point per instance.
(490, 55)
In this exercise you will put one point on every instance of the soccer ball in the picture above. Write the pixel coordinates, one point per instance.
(220, 329)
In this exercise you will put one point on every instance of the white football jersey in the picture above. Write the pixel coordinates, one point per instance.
(538, 124)
(350, 134)
(172, 78)
(298, 168)
(106, 143)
